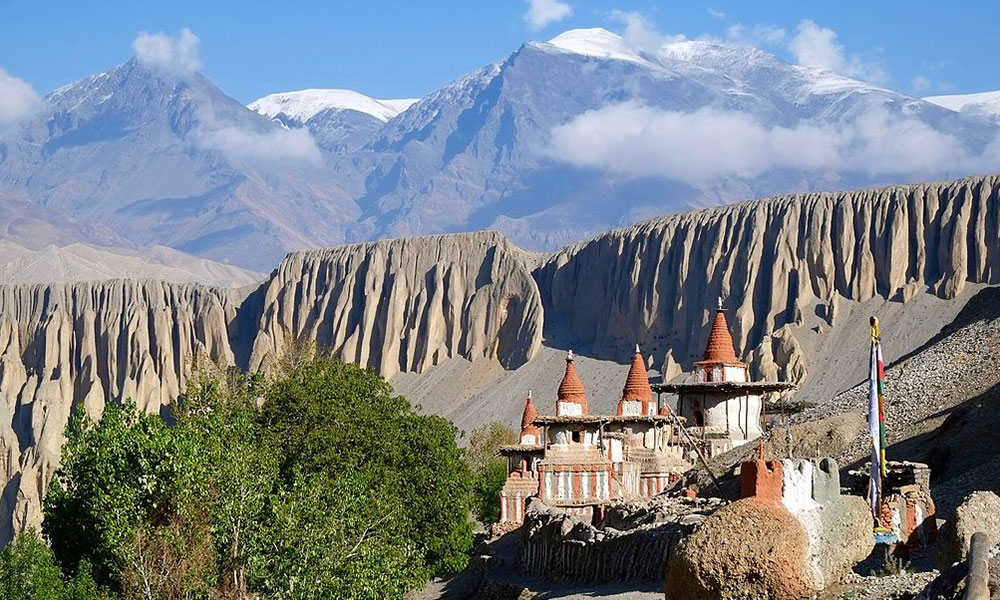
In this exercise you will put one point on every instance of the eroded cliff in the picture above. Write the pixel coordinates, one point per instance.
(793, 260)
(797, 273)
(405, 304)
(91, 343)
(393, 305)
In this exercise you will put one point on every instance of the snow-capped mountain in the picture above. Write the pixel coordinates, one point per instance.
(301, 106)
(174, 161)
(479, 153)
(986, 104)
(557, 141)
(339, 120)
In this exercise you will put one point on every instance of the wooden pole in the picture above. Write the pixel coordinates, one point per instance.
(701, 456)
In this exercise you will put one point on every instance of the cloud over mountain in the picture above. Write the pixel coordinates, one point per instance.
(634, 139)
(274, 147)
(173, 55)
(815, 46)
(545, 12)
(18, 100)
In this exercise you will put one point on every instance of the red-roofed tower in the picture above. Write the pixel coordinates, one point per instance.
(572, 398)
(637, 396)
(720, 362)
(530, 434)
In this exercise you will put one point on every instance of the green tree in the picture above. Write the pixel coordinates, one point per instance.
(487, 484)
(332, 538)
(28, 571)
(316, 482)
(114, 475)
(489, 469)
(238, 469)
(334, 418)
(485, 442)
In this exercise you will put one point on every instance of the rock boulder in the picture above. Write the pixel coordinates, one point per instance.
(748, 550)
(980, 511)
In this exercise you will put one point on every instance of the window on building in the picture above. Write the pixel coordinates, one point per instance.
(699, 418)
(576, 437)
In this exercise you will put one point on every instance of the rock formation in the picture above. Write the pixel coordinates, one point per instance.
(978, 513)
(792, 536)
(790, 269)
(747, 550)
(789, 260)
(394, 305)
(90, 343)
(406, 304)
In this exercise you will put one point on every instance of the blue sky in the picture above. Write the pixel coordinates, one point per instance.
(409, 48)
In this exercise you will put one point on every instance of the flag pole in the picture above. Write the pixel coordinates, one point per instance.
(876, 419)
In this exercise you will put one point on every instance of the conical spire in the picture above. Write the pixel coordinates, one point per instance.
(529, 431)
(720, 347)
(637, 385)
(571, 388)
(637, 382)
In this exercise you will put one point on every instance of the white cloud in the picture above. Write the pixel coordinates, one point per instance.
(641, 34)
(715, 14)
(633, 139)
(815, 46)
(277, 147)
(545, 12)
(176, 56)
(18, 100)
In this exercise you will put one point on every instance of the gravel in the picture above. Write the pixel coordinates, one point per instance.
(960, 363)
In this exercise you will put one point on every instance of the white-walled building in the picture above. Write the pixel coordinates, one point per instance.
(721, 405)
(581, 461)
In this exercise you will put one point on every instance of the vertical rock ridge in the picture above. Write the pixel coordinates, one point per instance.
(405, 304)
(772, 260)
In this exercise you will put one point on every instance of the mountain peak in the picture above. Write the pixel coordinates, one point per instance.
(302, 105)
(597, 42)
(982, 103)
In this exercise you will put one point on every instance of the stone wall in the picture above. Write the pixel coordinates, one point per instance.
(634, 543)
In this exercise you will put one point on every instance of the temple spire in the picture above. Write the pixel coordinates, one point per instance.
(529, 431)
(720, 348)
(637, 387)
(571, 391)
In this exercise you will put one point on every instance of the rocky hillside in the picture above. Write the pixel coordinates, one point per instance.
(789, 268)
(90, 343)
(464, 324)
(405, 304)
(396, 305)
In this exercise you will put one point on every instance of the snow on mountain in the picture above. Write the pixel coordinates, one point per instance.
(984, 103)
(479, 153)
(169, 160)
(341, 121)
(596, 42)
(303, 105)
(552, 143)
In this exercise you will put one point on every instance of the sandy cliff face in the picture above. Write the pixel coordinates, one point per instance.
(407, 304)
(794, 260)
(395, 305)
(90, 343)
(798, 273)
